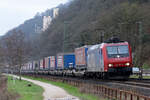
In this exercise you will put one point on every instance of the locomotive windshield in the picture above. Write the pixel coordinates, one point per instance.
(117, 51)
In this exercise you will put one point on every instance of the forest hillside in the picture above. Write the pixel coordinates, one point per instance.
(85, 22)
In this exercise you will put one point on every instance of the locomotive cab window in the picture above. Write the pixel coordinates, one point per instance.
(117, 51)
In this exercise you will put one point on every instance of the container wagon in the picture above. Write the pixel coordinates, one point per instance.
(81, 57)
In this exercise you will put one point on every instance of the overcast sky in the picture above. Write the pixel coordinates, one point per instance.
(15, 12)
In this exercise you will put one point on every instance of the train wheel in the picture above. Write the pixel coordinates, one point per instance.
(105, 76)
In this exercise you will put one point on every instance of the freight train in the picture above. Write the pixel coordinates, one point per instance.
(111, 59)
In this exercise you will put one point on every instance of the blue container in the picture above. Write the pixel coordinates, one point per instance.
(69, 61)
(49, 62)
(86, 55)
(65, 61)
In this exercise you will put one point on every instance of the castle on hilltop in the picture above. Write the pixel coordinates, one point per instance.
(48, 19)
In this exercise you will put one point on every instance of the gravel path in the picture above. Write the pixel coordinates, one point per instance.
(52, 92)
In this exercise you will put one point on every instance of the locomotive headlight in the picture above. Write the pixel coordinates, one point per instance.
(110, 65)
(127, 64)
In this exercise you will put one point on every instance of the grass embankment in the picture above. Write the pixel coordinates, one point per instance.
(70, 89)
(26, 92)
(137, 76)
(4, 94)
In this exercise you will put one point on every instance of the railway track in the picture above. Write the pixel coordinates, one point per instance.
(134, 84)
(141, 84)
(137, 79)
(144, 83)
(138, 86)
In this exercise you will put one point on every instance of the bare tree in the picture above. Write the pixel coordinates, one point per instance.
(16, 50)
(10, 51)
(1, 58)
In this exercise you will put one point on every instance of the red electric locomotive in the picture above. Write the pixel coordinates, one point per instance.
(112, 59)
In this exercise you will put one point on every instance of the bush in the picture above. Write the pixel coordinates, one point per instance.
(146, 66)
